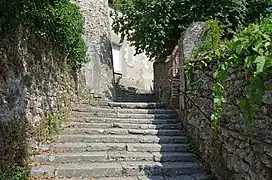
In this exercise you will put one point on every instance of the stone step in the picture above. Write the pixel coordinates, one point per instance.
(113, 169)
(120, 139)
(76, 114)
(126, 98)
(117, 156)
(142, 105)
(200, 176)
(121, 125)
(130, 147)
(118, 131)
(88, 108)
(94, 103)
(123, 120)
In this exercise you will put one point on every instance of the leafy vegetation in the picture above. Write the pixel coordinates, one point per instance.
(57, 23)
(18, 175)
(155, 26)
(250, 50)
(13, 150)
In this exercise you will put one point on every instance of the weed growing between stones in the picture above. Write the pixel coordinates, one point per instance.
(51, 126)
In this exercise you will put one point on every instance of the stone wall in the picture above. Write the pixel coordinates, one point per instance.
(35, 85)
(99, 70)
(137, 70)
(231, 153)
(167, 77)
(38, 88)
(162, 79)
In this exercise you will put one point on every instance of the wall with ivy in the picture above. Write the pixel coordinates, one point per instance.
(229, 145)
(38, 88)
(44, 48)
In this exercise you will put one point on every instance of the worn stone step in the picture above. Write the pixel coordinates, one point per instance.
(143, 105)
(76, 114)
(123, 120)
(116, 156)
(169, 147)
(87, 170)
(125, 97)
(133, 99)
(94, 103)
(88, 108)
(120, 139)
(121, 125)
(130, 147)
(200, 176)
(118, 131)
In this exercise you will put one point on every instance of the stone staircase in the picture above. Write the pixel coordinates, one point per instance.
(132, 95)
(119, 141)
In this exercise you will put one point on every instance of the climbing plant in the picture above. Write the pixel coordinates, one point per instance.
(154, 26)
(57, 23)
(250, 50)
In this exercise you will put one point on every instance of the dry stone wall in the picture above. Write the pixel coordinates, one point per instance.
(35, 84)
(38, 88)
(232, 154)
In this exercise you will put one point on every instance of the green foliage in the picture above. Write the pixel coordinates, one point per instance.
(51, 126)
(15, 175)
(155, 26)
(57, 23)
(250, 50)
(13, 147)
(212, 36)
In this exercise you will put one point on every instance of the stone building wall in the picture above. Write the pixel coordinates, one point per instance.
(99, 69)
(232, 154)
(137, 71)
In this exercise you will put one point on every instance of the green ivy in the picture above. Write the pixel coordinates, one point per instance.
(251, 50)
(57, 23)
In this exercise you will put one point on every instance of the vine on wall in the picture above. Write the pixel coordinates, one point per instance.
(251, 49)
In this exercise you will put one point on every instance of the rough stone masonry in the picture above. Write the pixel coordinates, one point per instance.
(232, 154)
(36, 85)
(99, 69)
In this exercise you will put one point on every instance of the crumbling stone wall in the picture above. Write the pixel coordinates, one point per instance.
(232, 154)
